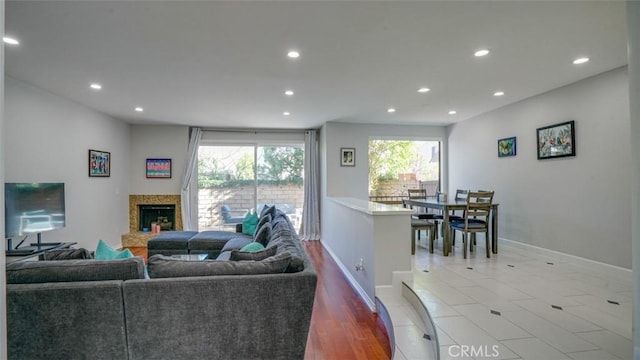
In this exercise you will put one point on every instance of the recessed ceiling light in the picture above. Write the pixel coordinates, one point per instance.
(139, 109)
(424, 90)
(452, 112)
(289, 92)
(581, 60)
(482, 52)
(498, 93)
(286, 113)
(391, 110)
(10, 40)
(293, 54)
(95, 86)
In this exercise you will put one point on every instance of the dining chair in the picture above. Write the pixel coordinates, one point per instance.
(460, 196)
(475, 219)
(420, 194)
(416, 226)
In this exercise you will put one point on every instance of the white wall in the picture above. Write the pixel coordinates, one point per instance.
(341, 181)
(353, 182)
(47, 139)
(577, 205)
(167, 142)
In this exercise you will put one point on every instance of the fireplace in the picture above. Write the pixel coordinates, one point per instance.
(134, 211)
(162, 214)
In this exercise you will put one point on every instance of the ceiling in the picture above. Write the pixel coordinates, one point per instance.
(224, 64)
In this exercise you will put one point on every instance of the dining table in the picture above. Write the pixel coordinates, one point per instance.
(446, 206)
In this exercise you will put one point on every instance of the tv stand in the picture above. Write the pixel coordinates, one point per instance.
(27, 252)
(40, 244)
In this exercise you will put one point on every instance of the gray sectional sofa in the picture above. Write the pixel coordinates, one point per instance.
(212, 309)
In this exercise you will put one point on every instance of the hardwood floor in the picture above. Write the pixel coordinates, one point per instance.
(342, 326)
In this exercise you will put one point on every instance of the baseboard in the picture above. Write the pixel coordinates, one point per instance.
(400, 277)
(601, 267)
(354, 284)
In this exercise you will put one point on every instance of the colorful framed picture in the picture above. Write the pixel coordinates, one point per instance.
(99, 163)
(507, 147)
(347, 157)
(557, 140)
(158, 168)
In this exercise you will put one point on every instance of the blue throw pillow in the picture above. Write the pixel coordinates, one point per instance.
(249, 223)
(106, 252)
(252, 247)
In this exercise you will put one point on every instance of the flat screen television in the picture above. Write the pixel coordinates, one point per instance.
(32, 208)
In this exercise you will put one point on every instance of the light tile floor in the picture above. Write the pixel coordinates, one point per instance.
(549, 307)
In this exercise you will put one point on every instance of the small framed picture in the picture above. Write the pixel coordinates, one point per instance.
(99, 163)
(158, 168)
(507, 147)
(347, 157)
(557, 140)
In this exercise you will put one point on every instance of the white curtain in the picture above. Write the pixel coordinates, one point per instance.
(189, 174)
(310, 229)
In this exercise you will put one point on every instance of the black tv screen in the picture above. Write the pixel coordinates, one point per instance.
(31, 208)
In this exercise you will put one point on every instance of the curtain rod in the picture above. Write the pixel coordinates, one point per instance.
(255, 131)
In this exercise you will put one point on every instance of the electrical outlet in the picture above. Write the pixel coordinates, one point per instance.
(360, 265)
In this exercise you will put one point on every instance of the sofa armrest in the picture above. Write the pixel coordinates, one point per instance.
(71, 320)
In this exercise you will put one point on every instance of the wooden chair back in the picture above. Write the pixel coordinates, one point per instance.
(417, 194)
(479, 205)
(461, 194)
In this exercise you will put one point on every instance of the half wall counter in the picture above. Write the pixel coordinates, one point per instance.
(370, 242)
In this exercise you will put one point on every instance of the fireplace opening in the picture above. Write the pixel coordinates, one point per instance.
(163, 215)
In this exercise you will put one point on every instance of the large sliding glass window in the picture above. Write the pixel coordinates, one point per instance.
(233, 179)
(398, 165)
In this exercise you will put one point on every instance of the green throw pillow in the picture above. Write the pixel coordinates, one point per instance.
(106, 252)
(252, 247)
(249, 223)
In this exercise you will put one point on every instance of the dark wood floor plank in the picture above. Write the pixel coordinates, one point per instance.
(342, 326)
(354, 332)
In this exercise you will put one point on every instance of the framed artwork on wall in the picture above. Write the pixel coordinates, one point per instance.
(347, 157)
(555, 141)
(158, 169)
(99, 163)
(507, 147)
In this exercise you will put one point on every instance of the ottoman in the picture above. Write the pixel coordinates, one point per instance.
(170, 243)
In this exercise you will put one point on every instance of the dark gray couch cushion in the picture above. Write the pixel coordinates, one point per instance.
(287, 242)
(66, 254)
(24, 272)
(263, 220)
(237, 255)
(213, 240)
(236, 243)
(266, 209)
(263, 235)
(164, 267)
